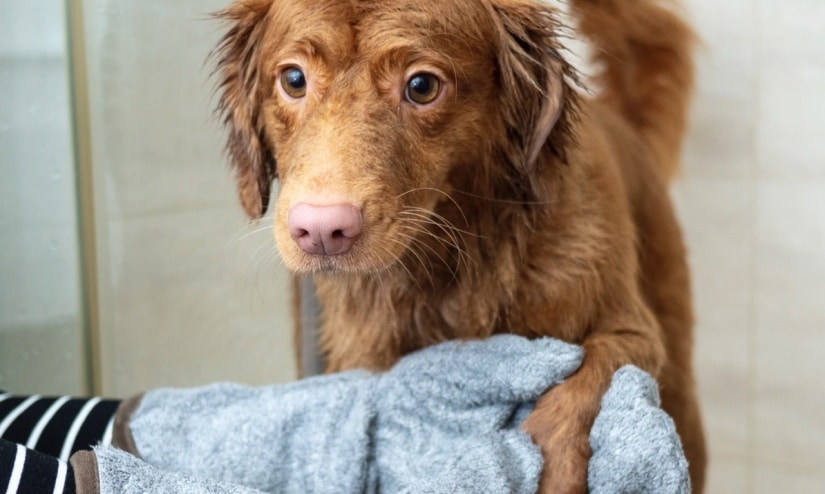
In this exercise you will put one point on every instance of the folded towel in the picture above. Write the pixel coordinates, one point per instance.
(443, 420)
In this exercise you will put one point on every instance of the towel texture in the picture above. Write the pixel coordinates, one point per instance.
(443, 420)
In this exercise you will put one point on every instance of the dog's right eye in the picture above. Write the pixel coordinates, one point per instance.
(422, 88)
(294, 82)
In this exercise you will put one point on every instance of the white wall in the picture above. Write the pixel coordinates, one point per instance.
(32, 28)
(752, 199)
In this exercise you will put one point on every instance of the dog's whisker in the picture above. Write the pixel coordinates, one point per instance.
(252, 260)
(418, 221)
(412, 250)
(420, 227)
(445, 194)
(452, 269)
(505, 201)
(411, 247)
(448, 229)
(423, 217)
(443, 224)
(265, 252)
(422, 221)
(417, 227)
(400, 262)
(414, 243)
(427, 215)
(376, 274)
(267, 228)
(267, 264)
(243, 233)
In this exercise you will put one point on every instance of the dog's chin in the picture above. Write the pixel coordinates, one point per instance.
(319, 264)
(309, 264)
(354, 262)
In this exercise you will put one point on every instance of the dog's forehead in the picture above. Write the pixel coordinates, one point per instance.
(425, 15)
(382, 23)
(326, 24)
(370, 26)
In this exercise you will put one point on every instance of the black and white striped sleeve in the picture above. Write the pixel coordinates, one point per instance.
(25, 471)
(56, 426)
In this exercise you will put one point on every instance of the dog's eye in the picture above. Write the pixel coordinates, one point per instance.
(294, 82)
(422, 88)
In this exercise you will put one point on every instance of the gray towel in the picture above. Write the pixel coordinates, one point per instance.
(443, 420)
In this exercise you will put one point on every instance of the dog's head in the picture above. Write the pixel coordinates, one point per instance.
(372, 112)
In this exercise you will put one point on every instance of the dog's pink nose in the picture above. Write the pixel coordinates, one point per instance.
(324, 230)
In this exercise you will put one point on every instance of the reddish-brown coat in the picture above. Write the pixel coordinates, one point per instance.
(510, 204)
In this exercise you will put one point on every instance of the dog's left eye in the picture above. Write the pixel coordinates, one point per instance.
(422, 88)
(294, 82)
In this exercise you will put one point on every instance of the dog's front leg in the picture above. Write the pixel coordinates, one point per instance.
(561, 421)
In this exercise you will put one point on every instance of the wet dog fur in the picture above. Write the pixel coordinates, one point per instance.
(508, 203)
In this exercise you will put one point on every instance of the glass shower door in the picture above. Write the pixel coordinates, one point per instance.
(126, 262)
(42, 334)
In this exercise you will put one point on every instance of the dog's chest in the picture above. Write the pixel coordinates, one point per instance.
(374, 326)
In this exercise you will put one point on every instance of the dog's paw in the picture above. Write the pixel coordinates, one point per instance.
(564, 472)
(560, 426)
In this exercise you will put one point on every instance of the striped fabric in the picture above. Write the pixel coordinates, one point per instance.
(56, 426)
(25, 471)
(38, 435)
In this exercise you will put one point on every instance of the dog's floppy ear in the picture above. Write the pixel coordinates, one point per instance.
(240, 98)
(535, 93)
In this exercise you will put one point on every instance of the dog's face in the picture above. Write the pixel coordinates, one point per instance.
(370, 112)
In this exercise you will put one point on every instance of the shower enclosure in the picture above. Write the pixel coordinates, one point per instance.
(125, 261)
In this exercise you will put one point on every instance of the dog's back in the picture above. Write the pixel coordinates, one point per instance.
(645, 52)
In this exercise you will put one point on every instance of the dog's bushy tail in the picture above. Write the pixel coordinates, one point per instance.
(644, 50)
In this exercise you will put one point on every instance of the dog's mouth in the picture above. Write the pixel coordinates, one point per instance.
(365, 256)
(328, 264)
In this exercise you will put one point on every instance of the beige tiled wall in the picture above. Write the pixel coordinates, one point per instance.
(752, 199)
(189, 293)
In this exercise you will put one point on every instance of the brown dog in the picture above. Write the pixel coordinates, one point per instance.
(441, 178)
